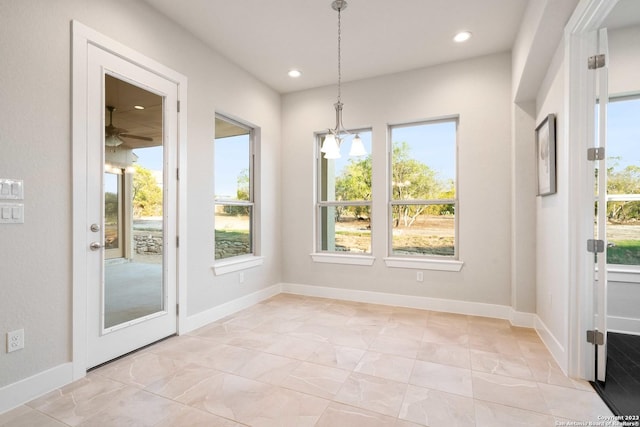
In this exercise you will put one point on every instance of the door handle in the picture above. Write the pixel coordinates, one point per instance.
(95, 246)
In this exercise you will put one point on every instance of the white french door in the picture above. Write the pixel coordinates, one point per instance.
(600, 189)
(131, 220)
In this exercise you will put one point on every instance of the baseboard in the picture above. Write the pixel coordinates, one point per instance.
(554, 346)
(424, 303)
(16, 394)
(624, 325)
(223, 310)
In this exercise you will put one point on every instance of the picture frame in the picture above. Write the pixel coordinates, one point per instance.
(546, 155)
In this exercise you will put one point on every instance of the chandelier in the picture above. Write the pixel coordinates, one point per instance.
(335, 137)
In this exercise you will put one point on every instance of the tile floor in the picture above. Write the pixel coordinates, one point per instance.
(299, 361)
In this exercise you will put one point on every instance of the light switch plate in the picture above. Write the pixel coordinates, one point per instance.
(11, 213)
(11, 189)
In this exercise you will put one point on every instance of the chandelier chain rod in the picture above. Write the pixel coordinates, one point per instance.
(339, 54)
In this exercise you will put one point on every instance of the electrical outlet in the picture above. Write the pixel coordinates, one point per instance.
(419, 276)
(15, 340)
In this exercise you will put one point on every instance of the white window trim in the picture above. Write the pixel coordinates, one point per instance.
(425, 263)
(237, 263)
(339, 258)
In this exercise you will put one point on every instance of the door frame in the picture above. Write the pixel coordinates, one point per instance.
(580, 43)
(82, 37)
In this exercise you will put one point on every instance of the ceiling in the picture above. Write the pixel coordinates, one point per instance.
(268, 38)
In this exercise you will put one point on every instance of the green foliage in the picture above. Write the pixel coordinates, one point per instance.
(147, 194)
(624, 252)
(110, 207)
(355, 184)
(412, 180)
(242, 193)
(626, 181)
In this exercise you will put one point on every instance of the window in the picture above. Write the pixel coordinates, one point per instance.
(343, 210)
(423, 203)
(623, 181)
(234, 189)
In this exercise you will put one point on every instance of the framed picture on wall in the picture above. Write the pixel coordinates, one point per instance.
(546, 155)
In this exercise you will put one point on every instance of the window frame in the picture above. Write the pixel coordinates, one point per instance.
(336, 257)
(253, 258)
(422, 261)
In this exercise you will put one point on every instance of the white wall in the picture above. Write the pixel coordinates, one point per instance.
(35, 145)
(479, 90)
(552, 222)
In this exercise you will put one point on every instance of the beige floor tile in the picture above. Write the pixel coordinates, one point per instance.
(286, 408)
(401, 330)
(435, 408)
(337, 415)
(317, 380)
(387, 366)
(139, 409)
(372, 393)
(574, 404)
(500, 364)
(336, 356)
(268, 368)
(403, 347)
(442, 377)
(302, 361)
(24, 416)
(356, 336)
(82, 399)
(443, 334)
(182, 381)
(296, 348)
(191, 417)
(494, 415)
(495, 344)
(514, 392)
(446, 354)
(228, 396)
(141, 369)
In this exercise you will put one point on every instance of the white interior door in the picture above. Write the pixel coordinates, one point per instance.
(600, 231)
(131, 206)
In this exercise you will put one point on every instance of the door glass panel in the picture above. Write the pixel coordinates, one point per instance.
(623, 181)
(133, 204)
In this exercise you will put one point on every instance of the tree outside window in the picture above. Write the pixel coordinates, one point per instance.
(423, 205)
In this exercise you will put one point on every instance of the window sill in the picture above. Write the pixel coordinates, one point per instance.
(237, 264)
(343, 259)
(425, 264)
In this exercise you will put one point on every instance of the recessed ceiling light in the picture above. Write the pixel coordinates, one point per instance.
(295, 73)
(138, 107)
(462, 36)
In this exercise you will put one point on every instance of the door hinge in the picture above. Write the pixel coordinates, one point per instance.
(177, 309)
(596, 61)
(178, 106)
(595, 337)
(178, 174)
(596, 153)
(177, 241)
(595, 246)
